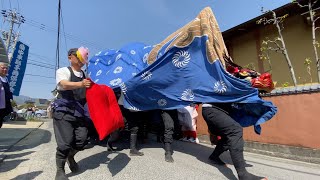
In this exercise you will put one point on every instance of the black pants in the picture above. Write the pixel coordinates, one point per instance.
(132, 119)
(135, 120)
(3, 113)
(1, 119)
(168, 125)
(220, 123)
(70, 132)
(92, 131)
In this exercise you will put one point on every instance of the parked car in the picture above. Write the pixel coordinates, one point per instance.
(41, 113)
(21, 112)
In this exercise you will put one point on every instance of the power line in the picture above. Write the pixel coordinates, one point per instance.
(2, 3)
(39, 65)
(37, 75)
(43, 63)
(13, 18)
(45, 58)
(18, 5)
(67, 35)
(38, 82)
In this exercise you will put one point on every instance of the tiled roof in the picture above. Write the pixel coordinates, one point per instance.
(294, 90)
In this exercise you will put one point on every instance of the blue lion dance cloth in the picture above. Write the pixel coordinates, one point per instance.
(178, 72)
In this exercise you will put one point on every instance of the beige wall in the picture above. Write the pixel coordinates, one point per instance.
(297, 36)
(244, 50)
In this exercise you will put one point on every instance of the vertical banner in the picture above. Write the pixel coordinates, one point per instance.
(18, 67)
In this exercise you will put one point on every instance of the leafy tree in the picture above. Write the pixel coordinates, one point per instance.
(313, 19)
(277, 44)
(13, 103)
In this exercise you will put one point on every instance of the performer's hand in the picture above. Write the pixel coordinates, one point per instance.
(86, 83)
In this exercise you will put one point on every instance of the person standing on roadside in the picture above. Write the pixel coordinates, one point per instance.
(5, 93)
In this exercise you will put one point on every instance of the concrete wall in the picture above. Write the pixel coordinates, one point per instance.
(297, 122)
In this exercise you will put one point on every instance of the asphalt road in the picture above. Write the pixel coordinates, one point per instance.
(34, 158)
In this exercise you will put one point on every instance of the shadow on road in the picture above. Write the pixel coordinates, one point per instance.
(34, 139)
(30, 175)
(199, 151)
(14, 156)
(202, 153)
(10, 165)
(118, 163)
(115, 165)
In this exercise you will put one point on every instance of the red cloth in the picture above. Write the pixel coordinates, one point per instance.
(104, 109)
(189, 134)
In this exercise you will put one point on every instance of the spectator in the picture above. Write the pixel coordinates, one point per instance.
(49, 112)
(5, 93)
(187, 117)
(29, 112)
(33, 111)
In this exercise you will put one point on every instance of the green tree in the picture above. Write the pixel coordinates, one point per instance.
(278, 44)
(313, 19)
(13, 103)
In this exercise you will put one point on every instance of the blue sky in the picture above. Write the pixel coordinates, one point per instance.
(103, 24)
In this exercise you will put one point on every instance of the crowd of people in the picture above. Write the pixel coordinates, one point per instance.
(71, 126)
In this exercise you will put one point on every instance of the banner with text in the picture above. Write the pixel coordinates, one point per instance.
(18, 67)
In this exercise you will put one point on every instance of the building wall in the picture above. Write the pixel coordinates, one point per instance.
(244, 50)
(297, 35)
(296, 123)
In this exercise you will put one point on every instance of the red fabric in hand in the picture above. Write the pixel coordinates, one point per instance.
(104, 109)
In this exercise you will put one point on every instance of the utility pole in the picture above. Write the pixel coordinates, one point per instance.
(13, 18)
(15, 40)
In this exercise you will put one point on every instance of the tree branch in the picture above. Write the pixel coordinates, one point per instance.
(279, 47)
(314, 3)
(300, 5)
(274, 49)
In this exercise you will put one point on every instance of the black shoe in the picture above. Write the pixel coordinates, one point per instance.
(60, 174)
(110, 147)
(136, 153)
(245, 175)
(168, 158)
(71, 162)
(217, 161)
(133, 146)
(248, 165)
(168, 153)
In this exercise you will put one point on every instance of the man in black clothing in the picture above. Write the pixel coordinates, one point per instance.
(168, 133)
(222, 124)
(69, 122)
